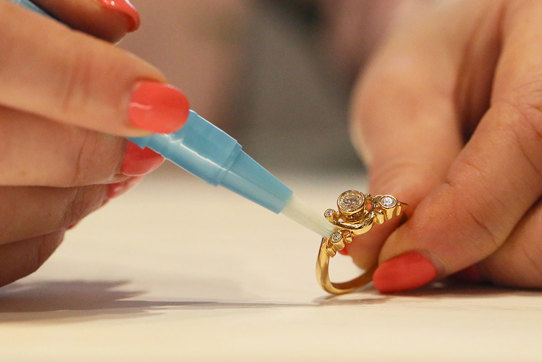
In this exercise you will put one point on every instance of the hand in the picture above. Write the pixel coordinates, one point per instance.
(65, 99)
(448, 117)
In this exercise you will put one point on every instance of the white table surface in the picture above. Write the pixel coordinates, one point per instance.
(178, 270)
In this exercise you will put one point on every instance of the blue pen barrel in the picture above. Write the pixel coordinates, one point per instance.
(199, 147)
(209, 153)
(206, 151)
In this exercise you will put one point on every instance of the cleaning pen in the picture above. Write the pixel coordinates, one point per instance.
(209, 153)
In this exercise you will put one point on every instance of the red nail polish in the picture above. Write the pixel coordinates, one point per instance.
(408, 271)
(140, 161)
(126, 8)
(120, 188)
(157, 107)
(344, 251)
(470, 274)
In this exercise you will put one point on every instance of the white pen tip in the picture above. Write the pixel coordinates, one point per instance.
(299, 212)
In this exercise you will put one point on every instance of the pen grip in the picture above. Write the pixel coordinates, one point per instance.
(199, 147)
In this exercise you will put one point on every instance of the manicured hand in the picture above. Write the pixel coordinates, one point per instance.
(66, 98)
(448, 117)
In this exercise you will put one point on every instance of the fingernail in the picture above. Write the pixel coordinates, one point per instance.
(470, 274)
(157, 107)
(408, 271)
(140, 161)
(117, 189)
(126, 8)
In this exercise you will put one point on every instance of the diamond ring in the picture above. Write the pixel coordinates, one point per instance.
(356, 215)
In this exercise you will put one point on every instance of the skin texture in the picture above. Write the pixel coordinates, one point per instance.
(456, 89)
(62, 110)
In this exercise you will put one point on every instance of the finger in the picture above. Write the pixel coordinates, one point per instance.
(518, 262)
(493, 182)
(28, 212)
(105, 19)
(76, 79)
(405, 126)
(22, 258)
(38, 152)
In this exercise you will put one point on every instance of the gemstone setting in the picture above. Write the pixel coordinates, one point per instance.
(388, 202)
(351, 201)
(336, 237)
(329, 213)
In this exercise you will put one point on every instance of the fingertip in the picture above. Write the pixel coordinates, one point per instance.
(344, 251)
(408, 271)
(105, 19)
(140, 161)
(125, 8)
(119, 188)
(158, 107)
(364, 249)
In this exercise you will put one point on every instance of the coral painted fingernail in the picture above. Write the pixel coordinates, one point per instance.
(344, 251)
(126, 8)
(408, 271)
(470, 274)
(140, 161)
(158, 107)
(119, 188)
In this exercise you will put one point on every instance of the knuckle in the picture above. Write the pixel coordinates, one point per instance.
(526, 239)
(526, 101)
(473, 169)
(44, 247)
(98, 158)
(75, 88)
(475, 219)
(391, 171)
(526, 129)
(85, 151)
(6, 116)
(489, 237)
(379, 84)
(532, 256)
(82, 201)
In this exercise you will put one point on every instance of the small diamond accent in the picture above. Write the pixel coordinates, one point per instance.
(329, 213)
(388, 202)
(351, 201)
(336, 237)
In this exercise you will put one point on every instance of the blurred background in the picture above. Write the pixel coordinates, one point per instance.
(275, 74)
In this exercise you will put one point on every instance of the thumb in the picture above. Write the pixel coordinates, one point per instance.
(493, 182)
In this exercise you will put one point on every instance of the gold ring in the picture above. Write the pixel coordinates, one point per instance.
(356, 215)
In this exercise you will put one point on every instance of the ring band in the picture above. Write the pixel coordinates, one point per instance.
(356, 215)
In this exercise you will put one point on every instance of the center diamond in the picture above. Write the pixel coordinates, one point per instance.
(351, 201)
